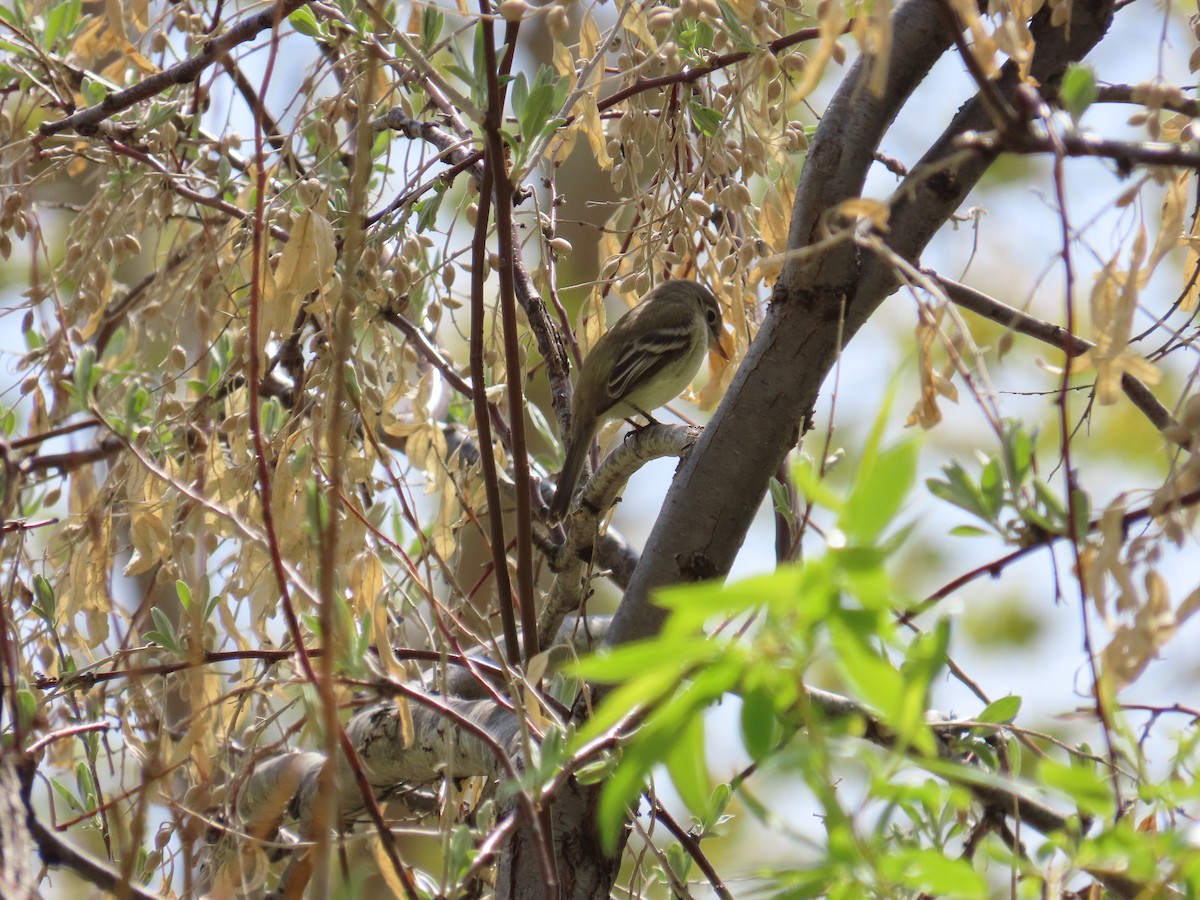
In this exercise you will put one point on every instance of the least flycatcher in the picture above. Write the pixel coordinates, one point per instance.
(645, 360)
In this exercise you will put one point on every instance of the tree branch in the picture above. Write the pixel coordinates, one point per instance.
(1055, 335)
(86, 121)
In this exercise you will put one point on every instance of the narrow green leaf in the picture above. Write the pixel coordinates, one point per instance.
(808, 479)
(959, 489)
(65, 793)
(432, 20)
(969, 531)
(780, 501)
(687, 766)
(520, 95)
(622, 700)
(1081, 507)
(1001, 711)
(1078, 89)
(537, 111)
(932, 872)
(45, 604)
(991, 486)
(1018, 453)
(639, 658)
(305, 22)
(880, 491)
(874, 679)
(1055, 512)
(732, 20)
(61, 19)
(1086, 786)
(760, 725)
(706, 119)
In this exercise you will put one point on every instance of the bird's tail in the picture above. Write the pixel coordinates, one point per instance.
(577, 454)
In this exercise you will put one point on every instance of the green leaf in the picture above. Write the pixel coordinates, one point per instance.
(86, 373)
(1078, 89)
(732, 20)
(760, 726)
(1086, 786)
(706, 119)
(687, 767)
(924, 660)
(520, 95)
(1081, 507)
(1055, 512)
(317, 507)
(65, 793)
(427, 209)
(164, 635)
(632, 660)
(620, 702)
(879, 491)
(932, 872)
(808, 478)
(969, 531)
(27, 707)
(136, 402)
(184, 593)
(874, 679)
(44, 602)
(991, 486)
(61, 19)
(1018, 453)
(93, 91)
(432, 20)
(959, 489)
(86, 784)
(1001, 711)
(305, 22)
(717, 804)
(679, 860)
(537, 111)
(653, 741)
(478, 76)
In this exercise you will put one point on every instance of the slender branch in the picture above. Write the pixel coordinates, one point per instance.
(715, 64)
(995, 567)
(1152, 97)
(72, 459)
(187, 193)
(31, 440)
(55, 851)
(692, 846)
(487, 459)
(86, 121)
(1055, 335)
(505, 231)
(1126, 154)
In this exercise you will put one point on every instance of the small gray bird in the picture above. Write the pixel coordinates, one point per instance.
(645, 360)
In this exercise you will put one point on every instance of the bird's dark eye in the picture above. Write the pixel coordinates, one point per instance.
(712, 317)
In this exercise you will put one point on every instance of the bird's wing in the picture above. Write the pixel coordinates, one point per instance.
(646, 356)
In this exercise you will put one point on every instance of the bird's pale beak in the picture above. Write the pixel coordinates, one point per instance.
(719, 346)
